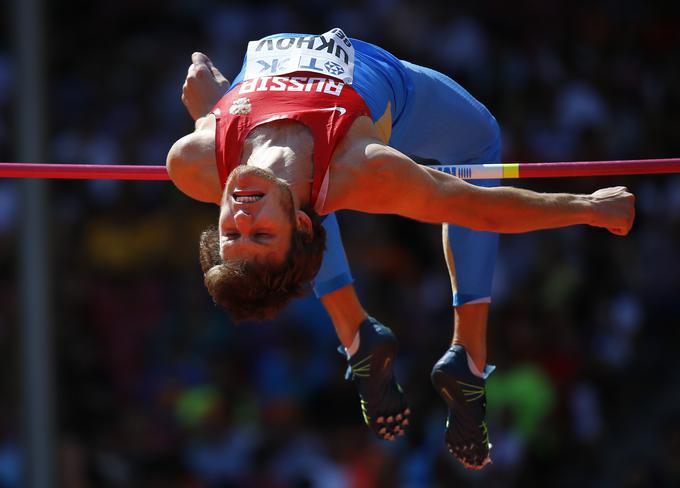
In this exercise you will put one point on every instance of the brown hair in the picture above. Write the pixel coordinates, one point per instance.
(259, 290)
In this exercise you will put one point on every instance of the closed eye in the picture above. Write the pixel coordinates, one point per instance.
(258, 237)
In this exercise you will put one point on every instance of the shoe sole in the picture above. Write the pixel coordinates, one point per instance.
(382, 358)
(451, 391)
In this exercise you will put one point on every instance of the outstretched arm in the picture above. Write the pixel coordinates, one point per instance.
(392, 183)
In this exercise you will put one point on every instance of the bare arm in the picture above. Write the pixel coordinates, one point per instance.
(191, 160)
(191, 164)
(392, 183)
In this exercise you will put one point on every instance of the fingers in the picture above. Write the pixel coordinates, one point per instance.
(201, 71)
(219, 77)
(203, 87)
(200, 58)
(212, 68)
(201, 67)
(628, 225)
(615, 209)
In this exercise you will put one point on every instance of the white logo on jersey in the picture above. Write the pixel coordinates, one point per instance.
(240, 106)
(330, 54)
(341, 110)
(292, 84)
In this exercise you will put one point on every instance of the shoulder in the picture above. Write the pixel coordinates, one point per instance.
(191, 163)
(349, 152)
(357, 164)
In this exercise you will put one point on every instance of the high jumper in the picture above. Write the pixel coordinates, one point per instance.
(314, 124)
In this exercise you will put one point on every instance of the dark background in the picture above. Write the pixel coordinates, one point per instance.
(156, 388)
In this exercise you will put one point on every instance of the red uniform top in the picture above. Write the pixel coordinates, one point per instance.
(327, 106)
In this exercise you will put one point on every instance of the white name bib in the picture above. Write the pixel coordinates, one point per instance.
(331, 54)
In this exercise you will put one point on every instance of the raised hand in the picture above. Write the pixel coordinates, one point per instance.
(203, 86)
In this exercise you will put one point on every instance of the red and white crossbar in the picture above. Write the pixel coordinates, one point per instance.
(83, 171)
(467, 172)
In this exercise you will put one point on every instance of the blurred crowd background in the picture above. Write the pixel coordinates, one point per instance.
(155, 387)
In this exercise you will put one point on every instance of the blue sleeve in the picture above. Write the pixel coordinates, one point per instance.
(334, 272)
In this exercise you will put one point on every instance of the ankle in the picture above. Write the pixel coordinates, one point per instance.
(476, 355)
(469, 331)
(353, 346)
(478, 372)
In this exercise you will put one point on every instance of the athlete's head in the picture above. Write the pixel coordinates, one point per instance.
(264, 250)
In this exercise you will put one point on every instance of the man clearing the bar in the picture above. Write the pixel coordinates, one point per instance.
(316, 124)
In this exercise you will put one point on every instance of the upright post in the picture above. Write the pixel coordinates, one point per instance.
(36, 357)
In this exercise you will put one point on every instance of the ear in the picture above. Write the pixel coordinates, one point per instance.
(304, 223)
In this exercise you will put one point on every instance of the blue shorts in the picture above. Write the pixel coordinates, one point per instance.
(425, 114)
(440, 121)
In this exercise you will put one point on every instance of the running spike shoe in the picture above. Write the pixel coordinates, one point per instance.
(383, 403)
(467, 436)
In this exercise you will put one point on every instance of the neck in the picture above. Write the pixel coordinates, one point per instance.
(284, 148)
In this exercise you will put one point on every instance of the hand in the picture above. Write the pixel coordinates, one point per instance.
(613, 209)
(203, 87)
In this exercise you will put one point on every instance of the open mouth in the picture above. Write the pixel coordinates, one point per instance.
(247, 196)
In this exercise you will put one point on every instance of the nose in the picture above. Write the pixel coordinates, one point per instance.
(242, 220)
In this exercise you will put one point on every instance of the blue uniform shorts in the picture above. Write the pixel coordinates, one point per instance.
(424, 114)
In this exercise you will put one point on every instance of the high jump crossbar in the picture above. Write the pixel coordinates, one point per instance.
(467, 172)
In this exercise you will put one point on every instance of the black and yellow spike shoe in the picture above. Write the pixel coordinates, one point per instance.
(383, 403)
(467, 436)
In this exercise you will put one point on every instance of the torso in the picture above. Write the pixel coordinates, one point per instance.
(345, 161)
(298, 110)
(370, 101)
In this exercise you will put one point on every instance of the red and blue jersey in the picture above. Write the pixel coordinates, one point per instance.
(326, 106)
